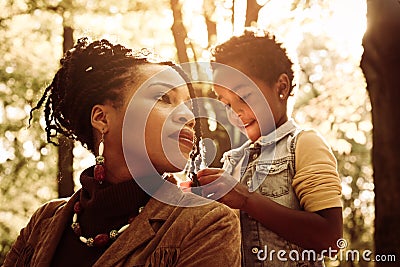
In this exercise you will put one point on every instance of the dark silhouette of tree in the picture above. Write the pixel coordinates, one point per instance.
(180, 34)
(252, 12)
(209, 10)
(381, 66)
(65, 156)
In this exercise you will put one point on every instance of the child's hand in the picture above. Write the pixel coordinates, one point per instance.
(219, 185)
(185, 186)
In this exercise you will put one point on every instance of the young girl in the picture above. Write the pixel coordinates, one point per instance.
(111, 220)
(289, 195)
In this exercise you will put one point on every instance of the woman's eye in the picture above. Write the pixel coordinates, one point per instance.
(189, 104)
(164, 98)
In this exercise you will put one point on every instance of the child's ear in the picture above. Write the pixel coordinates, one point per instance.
(283, 86)
(99, 118)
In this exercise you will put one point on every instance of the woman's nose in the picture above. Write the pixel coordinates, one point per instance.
(184, 115)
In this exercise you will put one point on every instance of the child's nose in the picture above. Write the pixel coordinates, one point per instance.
(237, 108)
(234, 116)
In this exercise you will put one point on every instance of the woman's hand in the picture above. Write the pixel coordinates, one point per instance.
(219, 185)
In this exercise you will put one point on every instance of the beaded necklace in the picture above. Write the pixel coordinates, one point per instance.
(99, 240)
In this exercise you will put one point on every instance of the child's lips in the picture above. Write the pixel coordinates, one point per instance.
(247, 124)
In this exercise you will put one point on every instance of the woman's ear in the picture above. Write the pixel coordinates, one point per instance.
(283, 86)
(99, 118)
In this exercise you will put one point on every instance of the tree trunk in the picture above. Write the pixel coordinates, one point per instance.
(252, 12)
(180, 34)
(209, 10)
(65, 156)
(233, 15)
(381, 66)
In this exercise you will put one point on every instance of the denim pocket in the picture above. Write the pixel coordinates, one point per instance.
(276, 179)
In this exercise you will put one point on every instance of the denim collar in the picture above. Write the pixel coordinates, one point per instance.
(282, 131)
(236, 154)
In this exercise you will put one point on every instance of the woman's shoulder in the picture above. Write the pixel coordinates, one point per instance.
(171, 200)
(194, 229)
(50, 208)
(200, 206)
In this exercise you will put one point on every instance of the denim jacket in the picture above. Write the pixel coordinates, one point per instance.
(268, 167)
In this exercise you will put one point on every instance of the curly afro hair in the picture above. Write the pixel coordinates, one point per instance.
(259, 55)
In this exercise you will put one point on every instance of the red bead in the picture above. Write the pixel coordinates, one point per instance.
(99, 173)
(101, 240)
(77, 208)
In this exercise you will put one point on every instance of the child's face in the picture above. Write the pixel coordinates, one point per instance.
(251, 105)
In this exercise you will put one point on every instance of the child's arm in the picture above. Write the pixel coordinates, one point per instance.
(311, 230)
(317, 185)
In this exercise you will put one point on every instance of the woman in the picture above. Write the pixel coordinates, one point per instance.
(94, 97)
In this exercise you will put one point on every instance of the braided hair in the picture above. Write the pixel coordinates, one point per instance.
(258, 53)
(90, 74)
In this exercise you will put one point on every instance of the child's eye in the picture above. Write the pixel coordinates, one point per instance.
(245, 96)
(227, 106)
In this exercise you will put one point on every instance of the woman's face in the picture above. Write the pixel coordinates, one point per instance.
(157, 126)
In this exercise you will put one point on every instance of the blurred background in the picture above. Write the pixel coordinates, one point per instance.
(326, 37)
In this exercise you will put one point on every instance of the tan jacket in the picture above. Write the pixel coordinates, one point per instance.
(161, 235)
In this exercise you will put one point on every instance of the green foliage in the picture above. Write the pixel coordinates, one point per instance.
(331, 97)
(26, 163)
(339, 108)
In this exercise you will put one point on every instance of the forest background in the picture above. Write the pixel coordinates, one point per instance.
(325, 36)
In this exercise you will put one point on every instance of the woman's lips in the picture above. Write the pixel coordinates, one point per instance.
(184, 137)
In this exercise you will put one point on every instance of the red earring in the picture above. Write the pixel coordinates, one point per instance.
(99, 169)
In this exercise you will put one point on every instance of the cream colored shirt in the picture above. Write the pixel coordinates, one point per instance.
(316, 182)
